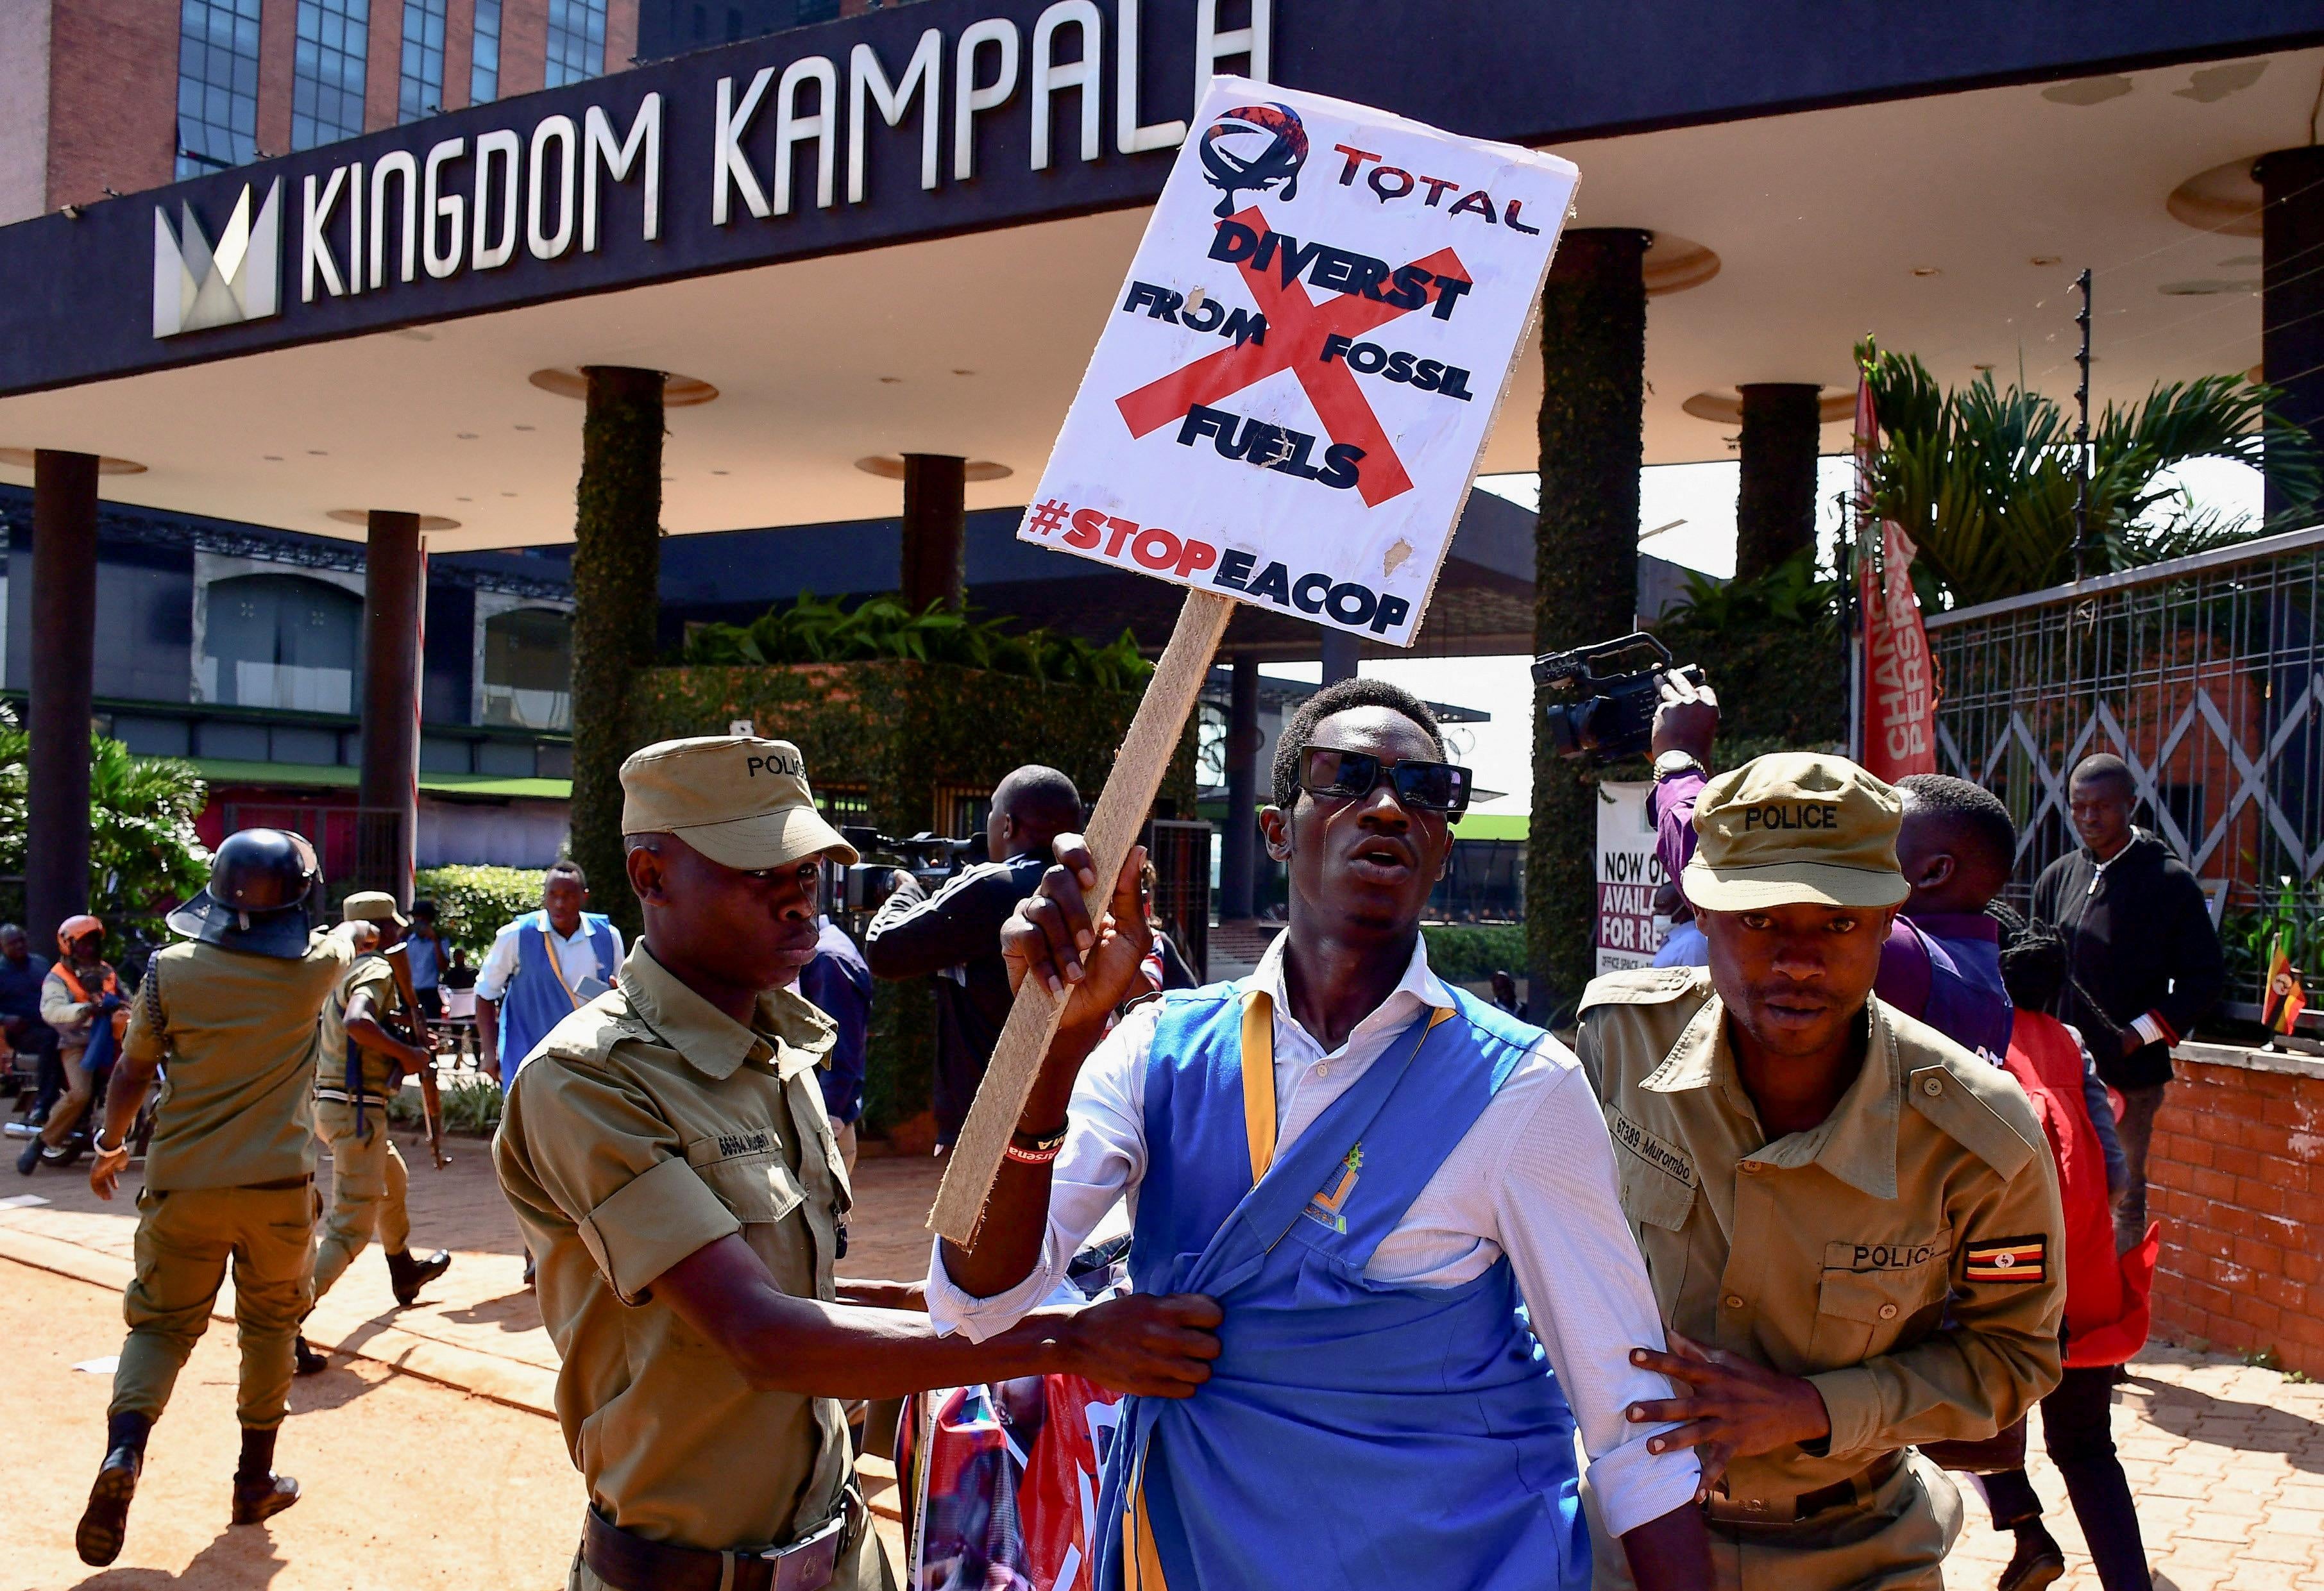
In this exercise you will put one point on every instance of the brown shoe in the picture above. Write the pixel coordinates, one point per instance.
(2038, 1561)
(105, 1522)
(263, 1497)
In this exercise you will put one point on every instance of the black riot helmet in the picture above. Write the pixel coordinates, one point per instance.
(260, 881)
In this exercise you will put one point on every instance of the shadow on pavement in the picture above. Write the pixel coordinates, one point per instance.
(2257, 1427)
(242, 1556)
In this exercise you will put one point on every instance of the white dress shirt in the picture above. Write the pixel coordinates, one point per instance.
(1533, 1178)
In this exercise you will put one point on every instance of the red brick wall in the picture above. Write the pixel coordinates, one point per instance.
(278, 64)
(384, 64)
(621, 34)
(2236, 1177)
(113, 97)
(524, 45)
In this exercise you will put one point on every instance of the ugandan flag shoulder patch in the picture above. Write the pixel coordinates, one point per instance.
(2009, 1259)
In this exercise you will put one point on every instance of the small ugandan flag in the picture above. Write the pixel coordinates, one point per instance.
(2009, 1259)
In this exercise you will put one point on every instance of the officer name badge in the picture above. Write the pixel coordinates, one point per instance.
(2009, 1259)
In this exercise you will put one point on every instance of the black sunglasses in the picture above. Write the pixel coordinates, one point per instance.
(1434, 787)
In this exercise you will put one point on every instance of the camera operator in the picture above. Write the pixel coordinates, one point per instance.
(954, 934)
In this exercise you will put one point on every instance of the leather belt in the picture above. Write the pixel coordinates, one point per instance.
(628, 1562)
(1855, 1488)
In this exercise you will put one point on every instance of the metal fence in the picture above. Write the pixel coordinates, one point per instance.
(2205, 675)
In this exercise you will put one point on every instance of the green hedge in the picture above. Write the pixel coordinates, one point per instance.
(1471, 953)
(472, 904)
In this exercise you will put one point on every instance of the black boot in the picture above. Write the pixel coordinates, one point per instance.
(2038, 1561)
(305, 1360)
(105, 1522)
(259, 1493)
(407, 1275)
(25, 1164)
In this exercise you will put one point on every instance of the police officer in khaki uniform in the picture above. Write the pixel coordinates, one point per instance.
(358, 1066)
(1852, 1223)
(670, 1164)
(229, 1172)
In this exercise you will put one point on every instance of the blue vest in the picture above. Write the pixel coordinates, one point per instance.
(1353, 1434)
(537, 998)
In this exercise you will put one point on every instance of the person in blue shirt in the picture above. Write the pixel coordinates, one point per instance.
(423, 949)
(838, 984)
(542, 968)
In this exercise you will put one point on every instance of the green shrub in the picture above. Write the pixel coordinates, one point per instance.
(818, 629)
(1471, 953)
(144, 855)
(472, 904)
(472, 1106)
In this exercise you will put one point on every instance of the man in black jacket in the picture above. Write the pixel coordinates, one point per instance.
(954, 934)
(2146, 960)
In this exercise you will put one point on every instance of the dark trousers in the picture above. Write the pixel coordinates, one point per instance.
(2135, 1129)
(2077, 1427)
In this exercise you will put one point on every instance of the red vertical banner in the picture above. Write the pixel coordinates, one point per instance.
(1899, 729)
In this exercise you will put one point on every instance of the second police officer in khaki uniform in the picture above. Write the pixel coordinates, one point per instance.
(668, 1159)
(1852, 1223)
(230, 1169)
(356, 1072)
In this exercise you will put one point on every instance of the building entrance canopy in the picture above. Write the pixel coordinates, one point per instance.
(317, 334)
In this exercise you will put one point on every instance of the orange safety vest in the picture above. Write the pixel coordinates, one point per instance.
(81, 997)
(2106, 1294)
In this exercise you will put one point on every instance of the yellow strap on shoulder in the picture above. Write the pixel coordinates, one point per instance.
(1258, 1080)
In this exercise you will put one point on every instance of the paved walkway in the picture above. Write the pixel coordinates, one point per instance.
(2226, 1459)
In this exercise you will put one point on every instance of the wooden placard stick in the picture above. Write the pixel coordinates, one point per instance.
(1121, 812)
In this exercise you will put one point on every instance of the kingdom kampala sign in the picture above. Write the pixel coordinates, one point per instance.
(942, 118)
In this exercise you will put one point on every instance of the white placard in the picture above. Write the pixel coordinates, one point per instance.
(1628, 874)
(1291, 392)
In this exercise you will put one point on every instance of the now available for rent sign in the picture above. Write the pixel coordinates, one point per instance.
(1290, 395)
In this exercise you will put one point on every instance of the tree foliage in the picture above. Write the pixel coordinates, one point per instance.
(144, 856)
(1983, 478)
(816, 629)
(473, 903)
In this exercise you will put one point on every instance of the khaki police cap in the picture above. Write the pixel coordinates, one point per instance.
(739, 801)
(1795, 828)
(372, 906)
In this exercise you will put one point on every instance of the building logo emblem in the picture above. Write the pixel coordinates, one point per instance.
(198, 284)
(1254, 147)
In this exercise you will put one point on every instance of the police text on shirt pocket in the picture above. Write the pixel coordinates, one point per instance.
(745, 1169)
(1874, 1291)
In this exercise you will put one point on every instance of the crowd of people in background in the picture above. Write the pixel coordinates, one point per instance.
(2075, 1002)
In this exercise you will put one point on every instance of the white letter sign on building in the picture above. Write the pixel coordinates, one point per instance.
(1290, 395)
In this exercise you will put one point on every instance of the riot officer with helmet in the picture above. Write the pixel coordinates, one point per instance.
(230, 1169)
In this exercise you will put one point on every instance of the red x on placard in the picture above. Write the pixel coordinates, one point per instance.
(1295, 329)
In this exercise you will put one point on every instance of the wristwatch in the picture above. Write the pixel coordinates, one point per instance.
(1675, 761)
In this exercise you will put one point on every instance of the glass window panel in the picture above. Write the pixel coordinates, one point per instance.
(217, 85)
(484, 59)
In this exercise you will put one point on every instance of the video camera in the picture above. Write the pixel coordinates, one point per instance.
(930, 857)
(1615, 719)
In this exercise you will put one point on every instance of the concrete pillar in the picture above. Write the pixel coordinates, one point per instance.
(1775, 502)
(1238, 840)
(936, 523)
(1340, 650)
(2291, 291)
(64, 654)
(387, 788)
(616, 601)
(1593, 431)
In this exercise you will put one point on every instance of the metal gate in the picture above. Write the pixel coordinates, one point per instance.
(2205, 675)
(1181, 854)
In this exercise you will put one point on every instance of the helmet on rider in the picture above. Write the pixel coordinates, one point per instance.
(261, 880)
(73, 930)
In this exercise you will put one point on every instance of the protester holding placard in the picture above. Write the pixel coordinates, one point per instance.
(1372, 1170)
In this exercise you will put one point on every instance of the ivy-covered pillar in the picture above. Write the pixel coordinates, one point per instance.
(1775, 501)
(1593, 353)
(617, 599)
